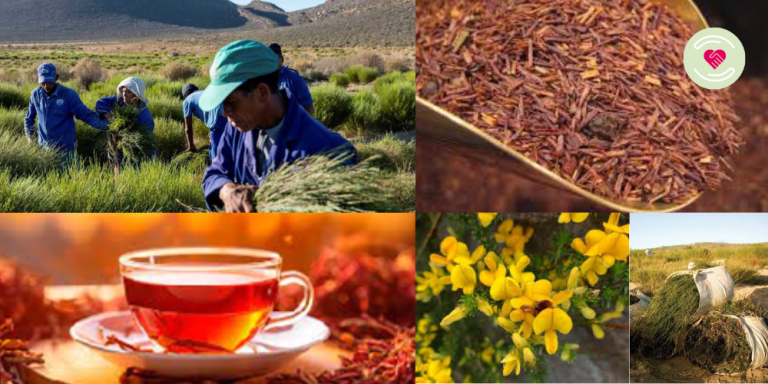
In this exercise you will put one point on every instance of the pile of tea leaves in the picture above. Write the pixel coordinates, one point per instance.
(593, 90)
(669, 315)
(718, 343)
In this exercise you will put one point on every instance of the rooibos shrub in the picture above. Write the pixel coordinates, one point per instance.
(398, 105)
(340, 80)
(87, 71)
(178, 70)
(333, 105)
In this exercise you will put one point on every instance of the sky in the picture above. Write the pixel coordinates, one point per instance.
(287, 5)
(650, 230)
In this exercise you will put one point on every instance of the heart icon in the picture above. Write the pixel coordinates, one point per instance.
(714, 58)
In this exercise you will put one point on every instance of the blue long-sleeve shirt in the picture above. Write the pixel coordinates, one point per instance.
(106, 104)
(235, 162)
(291, 80)
(55, 122)
(214, 119)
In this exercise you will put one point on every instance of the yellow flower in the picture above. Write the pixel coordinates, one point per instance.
(504, 230)
(516, 269)
(575, 217)
(496, 270)
(602, 251)
(451, 249)
(517, 239)
(587, 312)
(429, 284)
(486, 218)
(613, 224)
(463, 277)
(484, 307)
(437, 372)
(598, 331)
(457, 314)
(573, 278)
(540, 290)
(425, 331)
(487, 354)
(521, 353)
(549, 321)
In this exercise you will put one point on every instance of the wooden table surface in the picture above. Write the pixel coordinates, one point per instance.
(67, 361)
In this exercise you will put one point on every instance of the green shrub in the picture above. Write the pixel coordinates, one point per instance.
(170, 138)
(390, 78)
(12, 97)
(353, 73)
(87, 71)
(393, 154)
(22, 158)
(398, 105)
(88, 140)
(366, 115)
(396, 64)
(172, 89)
(367, 74)
(178, 70)
(196, 162)
(151, 187)
(340, 80)
(314, 76)
(333, 105)
(166, 106)
(402, 187)
(372, 60)
(12, 121)
(201, 131)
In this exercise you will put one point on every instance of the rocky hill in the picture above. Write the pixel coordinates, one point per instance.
(383, 22)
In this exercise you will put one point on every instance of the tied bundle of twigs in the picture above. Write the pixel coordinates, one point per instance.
(125, 138)
(323, 183)
(718, 343)
(655, 334)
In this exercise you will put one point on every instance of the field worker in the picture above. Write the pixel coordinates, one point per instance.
(129, 92)
(214, 120)
(265, 128)
(293, 83)
(55, 105)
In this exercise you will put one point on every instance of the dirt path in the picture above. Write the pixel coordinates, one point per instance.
(679, 369)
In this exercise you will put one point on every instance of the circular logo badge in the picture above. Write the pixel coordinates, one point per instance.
(714, 58)
(59, 102)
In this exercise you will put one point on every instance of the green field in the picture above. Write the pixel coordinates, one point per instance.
(376, 112)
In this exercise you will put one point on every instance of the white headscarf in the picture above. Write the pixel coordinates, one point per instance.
(135, 85)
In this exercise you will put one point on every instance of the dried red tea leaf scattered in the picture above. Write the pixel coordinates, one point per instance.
(352, 283)
(14, 355)
(124, 345)
(22, 299)
(375, 361)
(541, 75)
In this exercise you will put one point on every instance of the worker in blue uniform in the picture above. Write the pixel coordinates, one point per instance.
(292, 81)
(265, 128)
(55, 107)
(214, 119)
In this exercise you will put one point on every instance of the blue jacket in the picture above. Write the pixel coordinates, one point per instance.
(235, 162)
(296, 86)
(56, 125)
(105, 105)
(214, 120)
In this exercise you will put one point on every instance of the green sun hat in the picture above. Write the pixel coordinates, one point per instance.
(233, 65)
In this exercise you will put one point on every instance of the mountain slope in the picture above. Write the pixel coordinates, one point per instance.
(338, 21)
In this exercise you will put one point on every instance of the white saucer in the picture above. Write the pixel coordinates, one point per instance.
(267, 351)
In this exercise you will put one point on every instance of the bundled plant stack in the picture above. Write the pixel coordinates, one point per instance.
(126, 139)
(724, 340)
(324, 183)
(670, 313)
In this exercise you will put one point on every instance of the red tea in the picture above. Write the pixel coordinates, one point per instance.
(201, 311)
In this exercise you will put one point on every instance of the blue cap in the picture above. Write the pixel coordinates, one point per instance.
(46, 73)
